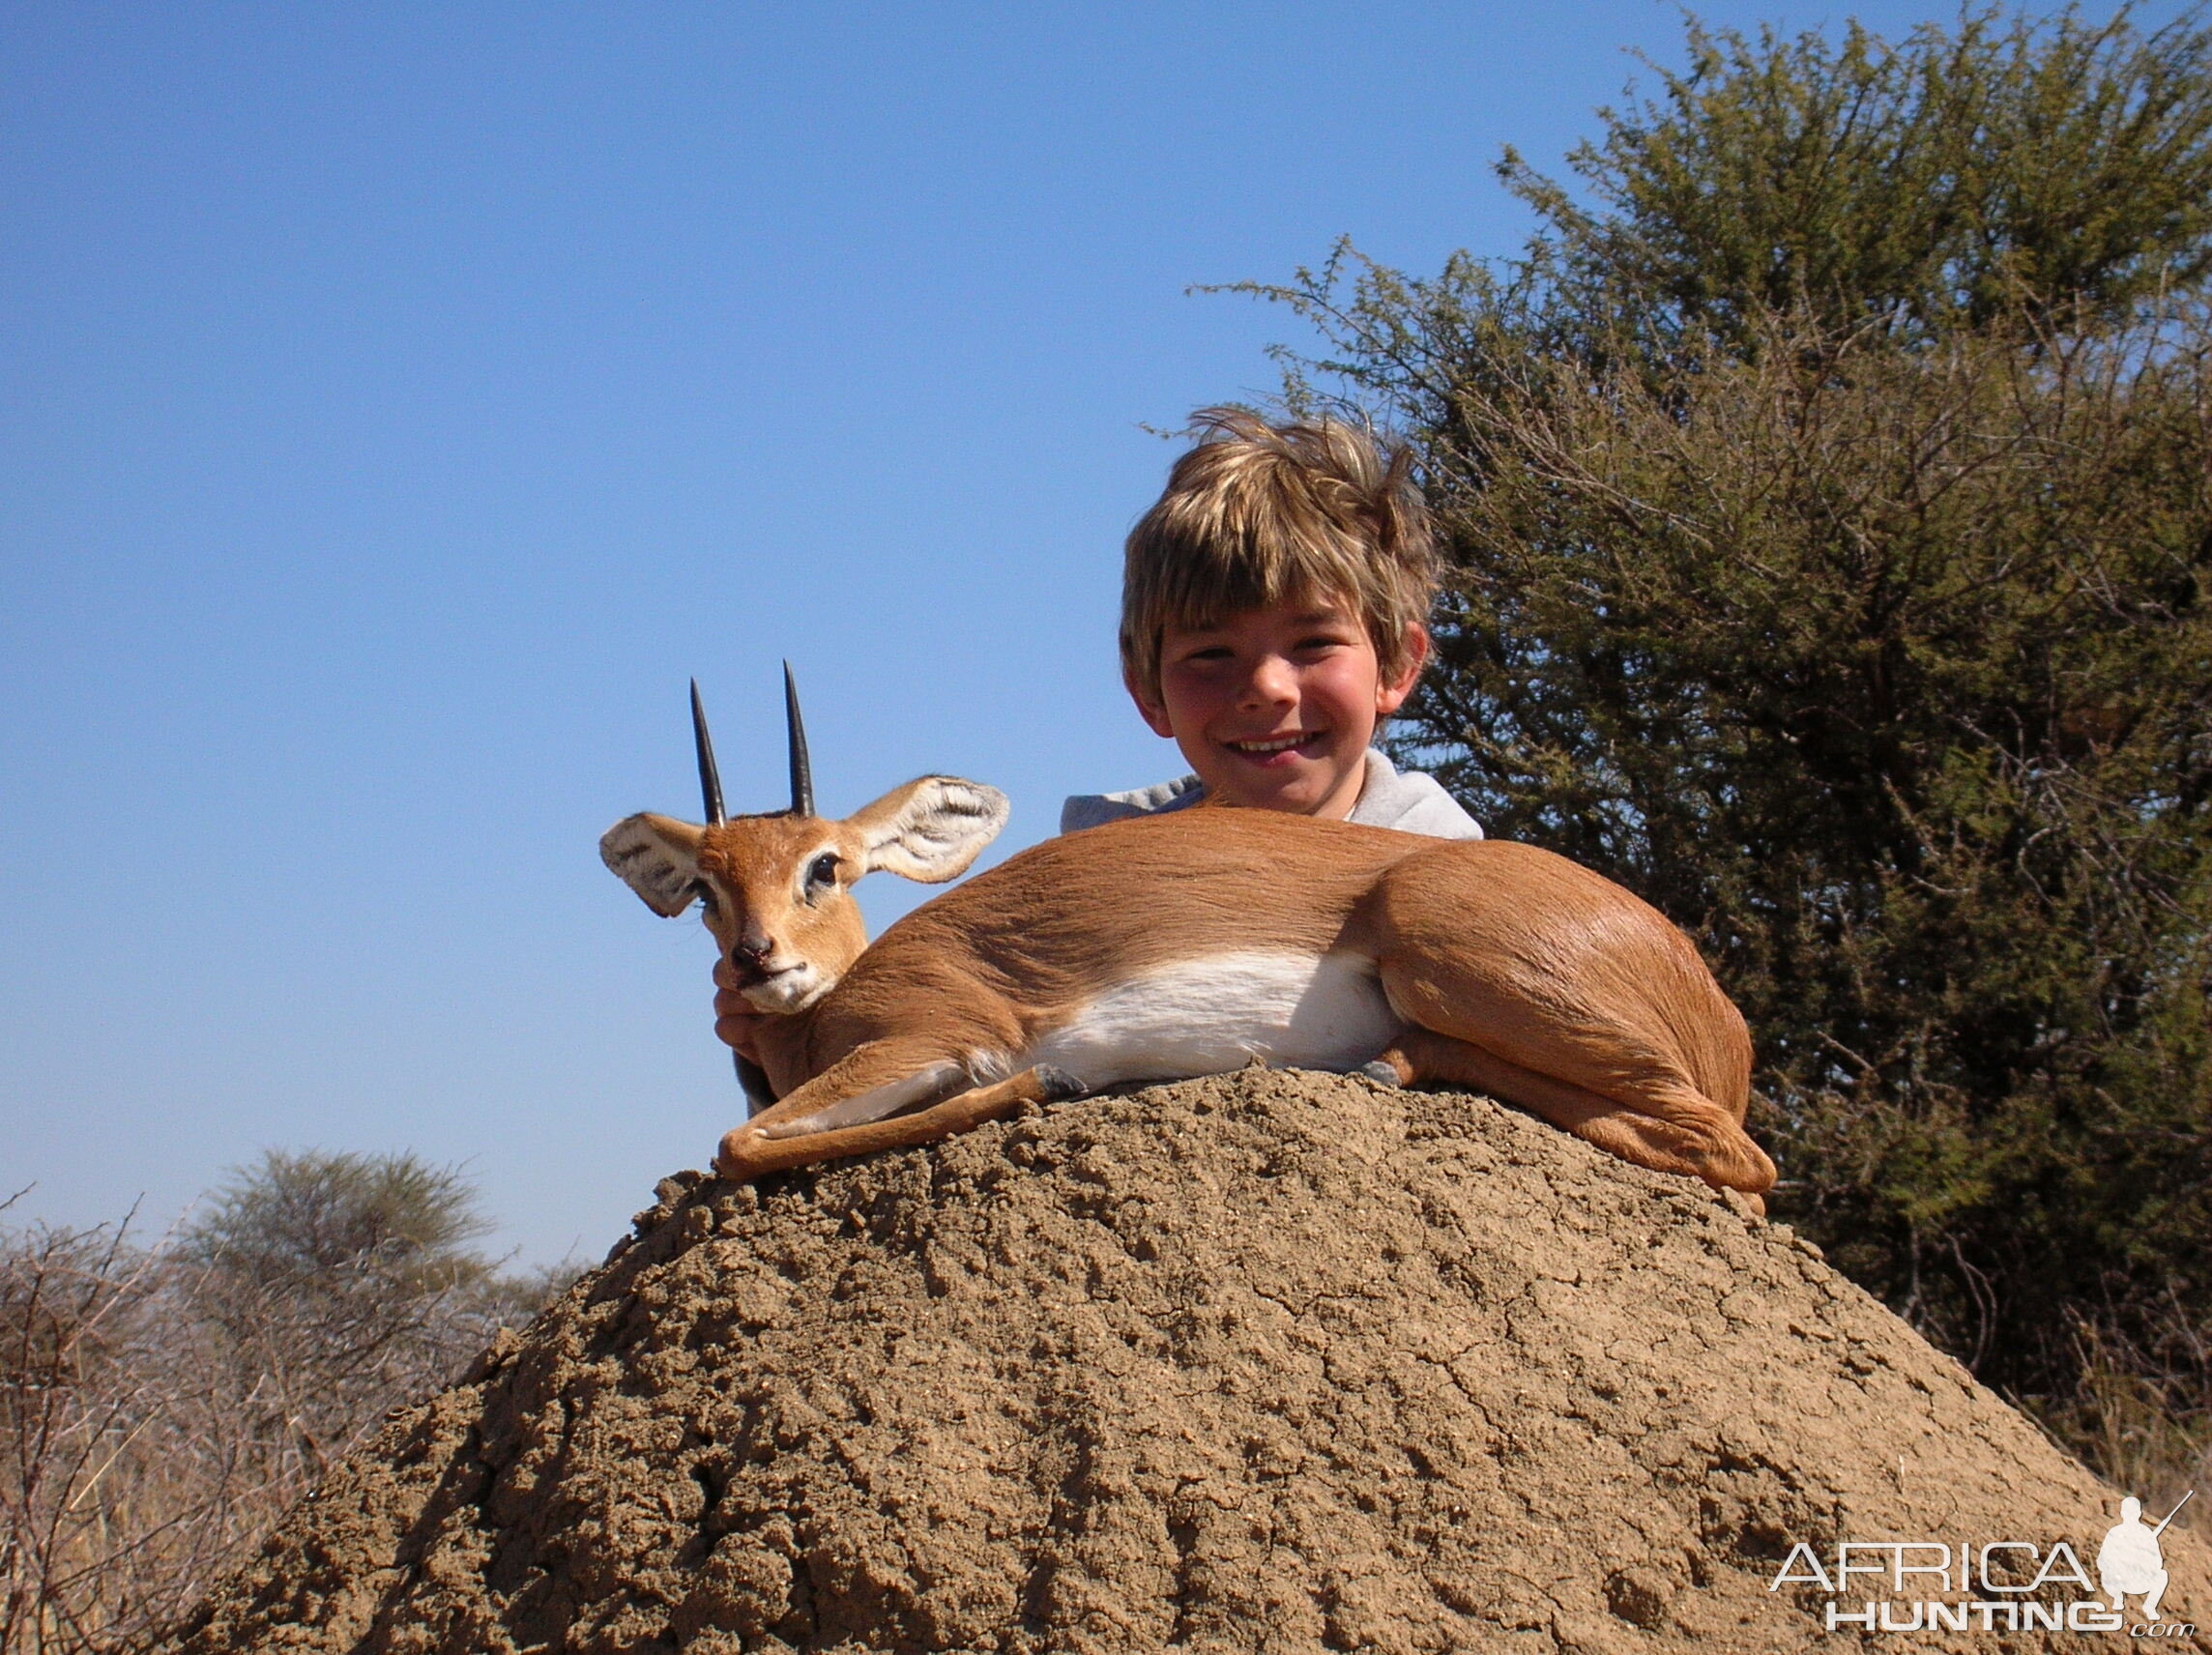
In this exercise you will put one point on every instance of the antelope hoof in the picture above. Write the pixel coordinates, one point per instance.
(1057, 1086)
(1382, 1073)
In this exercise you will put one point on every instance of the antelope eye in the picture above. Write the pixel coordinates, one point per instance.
(825, 869)
(705, 893)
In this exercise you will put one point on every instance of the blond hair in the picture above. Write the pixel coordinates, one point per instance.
(1258, 514)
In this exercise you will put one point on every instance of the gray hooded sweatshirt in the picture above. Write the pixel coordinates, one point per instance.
(1413, 801)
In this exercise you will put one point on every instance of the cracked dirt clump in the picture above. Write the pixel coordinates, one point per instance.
(1265, 1362)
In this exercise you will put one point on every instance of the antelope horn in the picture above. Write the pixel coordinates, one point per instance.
(710, 778)
(801, 773)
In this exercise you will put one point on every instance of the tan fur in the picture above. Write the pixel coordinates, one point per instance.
(1516, 971)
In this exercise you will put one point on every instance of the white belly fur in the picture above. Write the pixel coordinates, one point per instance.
(1211, 1015)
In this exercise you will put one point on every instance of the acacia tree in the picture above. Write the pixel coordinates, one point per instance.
(338, 1280)
(1828, 495)
(2011, 165)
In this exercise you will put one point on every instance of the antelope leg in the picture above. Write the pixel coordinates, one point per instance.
(1696, 1137)
(747, 1155)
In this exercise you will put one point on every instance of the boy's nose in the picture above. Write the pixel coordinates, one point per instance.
(1271, 680)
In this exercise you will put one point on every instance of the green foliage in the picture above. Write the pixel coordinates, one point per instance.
(1830, 506)
(315, 1215)
(1936, 181)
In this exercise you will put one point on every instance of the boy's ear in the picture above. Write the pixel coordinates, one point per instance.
(1153, 712)
(1390, 697)
(930, 830)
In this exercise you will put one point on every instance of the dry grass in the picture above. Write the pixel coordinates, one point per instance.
(2139, 1417)
(160, 1411)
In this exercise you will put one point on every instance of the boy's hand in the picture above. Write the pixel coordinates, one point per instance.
(735, 1019)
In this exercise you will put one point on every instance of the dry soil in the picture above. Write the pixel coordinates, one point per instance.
(1267, 1362)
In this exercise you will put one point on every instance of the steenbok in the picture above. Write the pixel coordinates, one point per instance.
(1188, 943)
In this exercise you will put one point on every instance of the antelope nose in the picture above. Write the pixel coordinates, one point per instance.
(751, 953)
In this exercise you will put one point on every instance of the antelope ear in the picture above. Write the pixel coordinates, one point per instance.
(657, 857)
(930, 830)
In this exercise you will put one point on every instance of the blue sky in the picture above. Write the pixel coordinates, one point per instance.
(398, 403)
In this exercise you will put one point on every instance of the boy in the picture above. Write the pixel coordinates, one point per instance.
(1274, 604)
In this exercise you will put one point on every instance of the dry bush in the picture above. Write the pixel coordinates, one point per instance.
(2140, 1415)
(161, 1406)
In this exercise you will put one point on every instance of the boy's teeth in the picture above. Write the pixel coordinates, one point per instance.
(1268, 746)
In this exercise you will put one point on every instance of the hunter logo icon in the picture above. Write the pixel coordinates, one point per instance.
(2129, 1563)
(1969, 1583)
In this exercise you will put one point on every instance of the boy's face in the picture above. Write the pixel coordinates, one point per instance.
(1275, 708)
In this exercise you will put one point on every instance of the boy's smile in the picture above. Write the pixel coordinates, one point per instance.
(1275, 708)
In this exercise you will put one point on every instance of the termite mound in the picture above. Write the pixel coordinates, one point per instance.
(1273, 1361)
